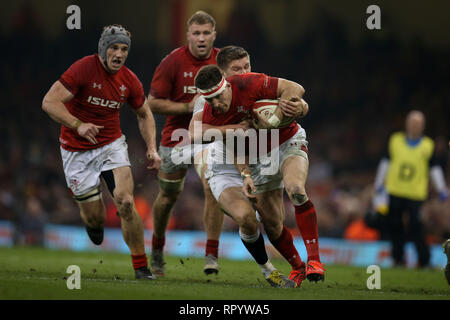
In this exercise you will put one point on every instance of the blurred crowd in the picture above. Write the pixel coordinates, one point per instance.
(358, 92)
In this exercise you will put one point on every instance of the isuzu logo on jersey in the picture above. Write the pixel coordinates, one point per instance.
(104, 102)
(190, 89)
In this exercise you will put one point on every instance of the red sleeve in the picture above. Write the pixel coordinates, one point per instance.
(137, 96)
(162, 81)
(266, 87)
(75, 77)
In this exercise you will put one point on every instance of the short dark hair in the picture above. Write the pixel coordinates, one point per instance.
(207, 77)
(228, 54)
(201, 17)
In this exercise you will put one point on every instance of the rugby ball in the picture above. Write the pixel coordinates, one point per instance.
(265, 108)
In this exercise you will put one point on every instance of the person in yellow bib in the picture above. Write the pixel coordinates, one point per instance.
(404, 174)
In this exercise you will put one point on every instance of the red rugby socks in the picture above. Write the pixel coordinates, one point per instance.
(306, 218)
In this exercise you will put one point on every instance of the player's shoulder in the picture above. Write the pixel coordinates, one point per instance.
(175, 55)
(87, 62)
(129, 73)
(243, 81)
(247, 75)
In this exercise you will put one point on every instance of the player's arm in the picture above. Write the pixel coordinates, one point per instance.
(290, 94)
(53, 104)
(169, 107)
(248, 186)
(146, 123)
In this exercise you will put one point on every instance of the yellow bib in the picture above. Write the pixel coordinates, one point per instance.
(407, 176)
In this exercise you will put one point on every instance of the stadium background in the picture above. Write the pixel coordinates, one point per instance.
(359, 83)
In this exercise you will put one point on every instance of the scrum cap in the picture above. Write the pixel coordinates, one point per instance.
(111, 35)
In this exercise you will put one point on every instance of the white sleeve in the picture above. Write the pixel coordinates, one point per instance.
(381, 173)
(437, 178)
(199, 104)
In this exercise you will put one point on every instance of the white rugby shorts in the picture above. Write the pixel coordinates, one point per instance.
(264, 177)
(82, 169)
(220, 182)
(177, 158)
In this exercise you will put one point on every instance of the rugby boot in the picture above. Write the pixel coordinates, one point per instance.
(315, 271)
(211, 265)
(157, 263)
(144, 273)
(95, 234)
(276, 279)
(298, 276)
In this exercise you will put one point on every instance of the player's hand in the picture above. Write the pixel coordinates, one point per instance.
(245, 124)
(154, 159)
(248, 187)
(293, 108)
(261, 123)
(89, 131)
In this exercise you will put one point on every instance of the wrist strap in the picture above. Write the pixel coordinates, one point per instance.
(76, 124)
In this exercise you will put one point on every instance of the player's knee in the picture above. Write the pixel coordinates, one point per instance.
(248, 223)
(295, 189)
(168, 198)
(297, 194)
(273, 230)
(124, 203)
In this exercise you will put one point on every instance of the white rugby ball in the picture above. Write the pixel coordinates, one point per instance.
(266, 107)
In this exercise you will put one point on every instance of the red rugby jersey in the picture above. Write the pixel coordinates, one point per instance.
(98, 97)
(174, 80)
(247, 89)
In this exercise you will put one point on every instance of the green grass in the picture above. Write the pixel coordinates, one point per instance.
(36, 273)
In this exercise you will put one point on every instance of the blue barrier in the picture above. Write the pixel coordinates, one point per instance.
(192, 244)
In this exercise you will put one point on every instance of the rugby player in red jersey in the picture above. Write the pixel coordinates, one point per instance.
(86, 100)
(226, 101)
(172, 93)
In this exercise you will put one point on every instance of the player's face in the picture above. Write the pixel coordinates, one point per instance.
(200, 38)
(222, 102)
(116, 56)
(239, 66)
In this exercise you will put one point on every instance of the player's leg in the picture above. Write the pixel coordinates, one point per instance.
(171, 183)
(212, 217)
(295, 171)
(395, 229)
(83, 180)
(233, 201)
(170, 187)
(271, 210)
(417, 232)
(93, 214)
(131, 222)
(213, 220)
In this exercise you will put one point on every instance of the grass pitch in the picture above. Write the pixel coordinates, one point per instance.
(36, 273)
